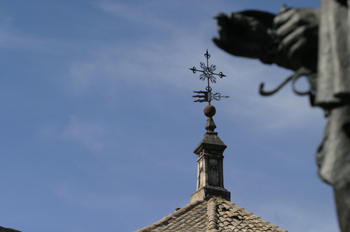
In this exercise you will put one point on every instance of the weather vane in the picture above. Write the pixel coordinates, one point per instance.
(208, 73)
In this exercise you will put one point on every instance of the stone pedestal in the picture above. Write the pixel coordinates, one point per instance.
(210, 178)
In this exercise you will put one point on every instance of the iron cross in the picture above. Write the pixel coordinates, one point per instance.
(207, 73)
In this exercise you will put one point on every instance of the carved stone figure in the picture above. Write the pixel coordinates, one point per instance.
(314, 43)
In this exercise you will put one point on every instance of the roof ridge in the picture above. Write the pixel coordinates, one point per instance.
(213, 216)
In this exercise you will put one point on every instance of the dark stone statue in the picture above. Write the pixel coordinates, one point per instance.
(315, 44)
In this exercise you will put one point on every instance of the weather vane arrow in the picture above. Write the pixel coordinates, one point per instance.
(209, 75)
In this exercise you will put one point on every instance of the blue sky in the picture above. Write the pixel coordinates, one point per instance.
(98, 124)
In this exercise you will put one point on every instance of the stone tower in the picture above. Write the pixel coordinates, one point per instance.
(210, 177)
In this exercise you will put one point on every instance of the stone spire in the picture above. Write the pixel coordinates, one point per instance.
(210, 178)
(210, 208)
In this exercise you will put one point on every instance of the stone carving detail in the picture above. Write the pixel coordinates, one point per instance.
(315, 44)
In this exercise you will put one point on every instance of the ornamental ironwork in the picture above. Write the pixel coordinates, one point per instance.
(207, 73)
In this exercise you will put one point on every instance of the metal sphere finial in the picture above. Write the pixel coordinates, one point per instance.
(209, 111)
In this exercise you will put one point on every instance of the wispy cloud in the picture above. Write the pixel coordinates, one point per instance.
(12, 39)
(90, 134)
(141, 13)
(92, 198)
(87, 133)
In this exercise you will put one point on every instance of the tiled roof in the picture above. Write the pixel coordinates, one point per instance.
(215, 214)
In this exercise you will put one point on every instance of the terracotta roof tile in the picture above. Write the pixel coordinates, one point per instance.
(213, 215)
(192, 217)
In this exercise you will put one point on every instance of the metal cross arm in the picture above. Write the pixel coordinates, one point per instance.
(208, 71)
